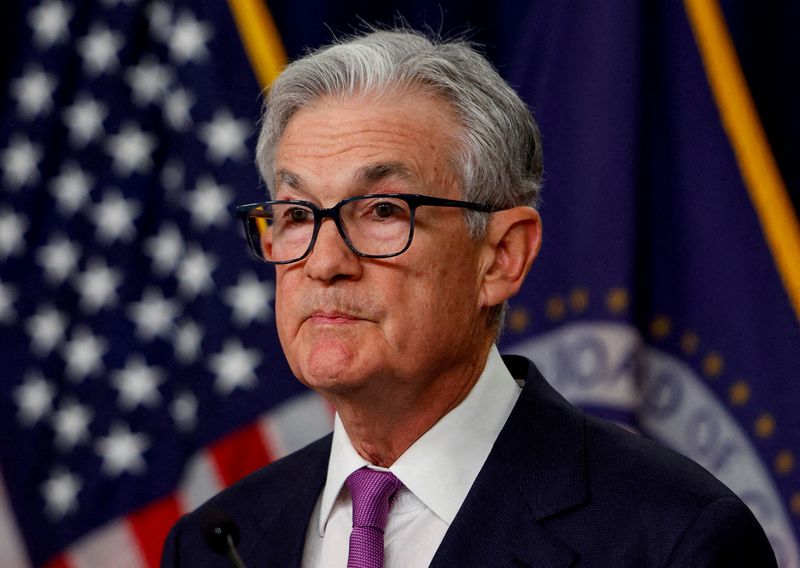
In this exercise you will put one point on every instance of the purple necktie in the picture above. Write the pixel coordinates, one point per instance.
(371, 491)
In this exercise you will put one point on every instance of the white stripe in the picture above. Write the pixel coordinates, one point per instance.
(200, 482)
(296, 423)
(284, 429)
(111, 545)
(12, 550)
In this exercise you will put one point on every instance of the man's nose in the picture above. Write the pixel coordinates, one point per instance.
(331, 259)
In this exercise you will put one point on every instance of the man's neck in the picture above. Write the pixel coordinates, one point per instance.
(382, 426)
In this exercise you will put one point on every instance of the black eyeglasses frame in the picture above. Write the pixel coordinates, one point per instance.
(413, 200)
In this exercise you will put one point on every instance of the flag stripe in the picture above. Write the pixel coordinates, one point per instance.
(239, 454)
(749, 141)
(115, 540)
(59, 561)
(260, 39)
(151, 524)
(296, 422)
(200, 482)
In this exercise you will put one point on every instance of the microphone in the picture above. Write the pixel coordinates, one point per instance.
(222, 536)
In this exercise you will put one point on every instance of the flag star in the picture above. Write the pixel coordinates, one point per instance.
(83, 354)
(188, 339)
(121, 451)
(114, 217)
(97, 285)
(100, 49)
(194, 273)
(153, 315)
(165, 249)
(71, 188)
(176, 109)
(131, 150)
(60, 493)
(159, 19)
(149, 81)
(234, 367)
(49, 22)
(59, 259)
(8, 295)
(250, 299)
(46, 329)
(12, 233)
(84, 120)
(20, 162)
(34, 92)
(34, 398)
(71, 424)
(188, 39)
(225, 137)
(137, 384)
(208, 204)
(184, 411)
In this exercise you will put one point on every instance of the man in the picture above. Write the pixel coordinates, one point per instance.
(403, 177)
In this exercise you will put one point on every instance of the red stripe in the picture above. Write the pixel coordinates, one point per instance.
(240, 454)
(150, 526)
(59, 561)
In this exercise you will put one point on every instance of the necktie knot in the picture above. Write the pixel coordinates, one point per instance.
(371, 492)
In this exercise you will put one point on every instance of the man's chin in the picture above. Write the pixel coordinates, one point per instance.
(332, 365)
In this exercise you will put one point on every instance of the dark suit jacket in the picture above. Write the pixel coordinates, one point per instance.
(558, 489)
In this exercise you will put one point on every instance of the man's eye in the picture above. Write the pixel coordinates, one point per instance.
(298, 215)
(384, 210)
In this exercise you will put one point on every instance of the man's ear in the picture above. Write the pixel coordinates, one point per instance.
(512, 242)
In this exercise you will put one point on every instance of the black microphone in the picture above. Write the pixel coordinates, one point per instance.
(222, 536)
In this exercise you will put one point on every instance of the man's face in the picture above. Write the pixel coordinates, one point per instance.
(397, 325)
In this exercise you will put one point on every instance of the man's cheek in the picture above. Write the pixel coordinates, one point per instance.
(284, 322)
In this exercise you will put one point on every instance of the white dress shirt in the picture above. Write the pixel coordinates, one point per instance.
(437, 472)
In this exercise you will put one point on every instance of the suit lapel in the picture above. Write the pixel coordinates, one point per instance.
(495, 527)
(284, 511)
(535, 469)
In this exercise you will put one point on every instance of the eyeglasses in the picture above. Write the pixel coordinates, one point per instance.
(379, 225)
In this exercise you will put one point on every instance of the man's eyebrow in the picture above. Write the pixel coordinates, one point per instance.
(377, 172)
(285, 177)
(369, 175)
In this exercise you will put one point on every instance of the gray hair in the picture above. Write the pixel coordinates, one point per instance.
(499, 159)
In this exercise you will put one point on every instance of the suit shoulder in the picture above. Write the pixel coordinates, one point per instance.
(619, 459)
(646, 502)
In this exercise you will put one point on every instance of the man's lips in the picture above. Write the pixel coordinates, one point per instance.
(334, 317)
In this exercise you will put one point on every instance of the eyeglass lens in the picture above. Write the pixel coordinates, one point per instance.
(374, 226)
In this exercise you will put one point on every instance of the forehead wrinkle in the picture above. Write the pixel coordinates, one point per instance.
(379, 144)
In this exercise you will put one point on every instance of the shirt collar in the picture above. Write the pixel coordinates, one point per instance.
(440, 467)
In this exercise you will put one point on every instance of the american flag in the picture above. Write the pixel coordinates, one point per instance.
(141, 369)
